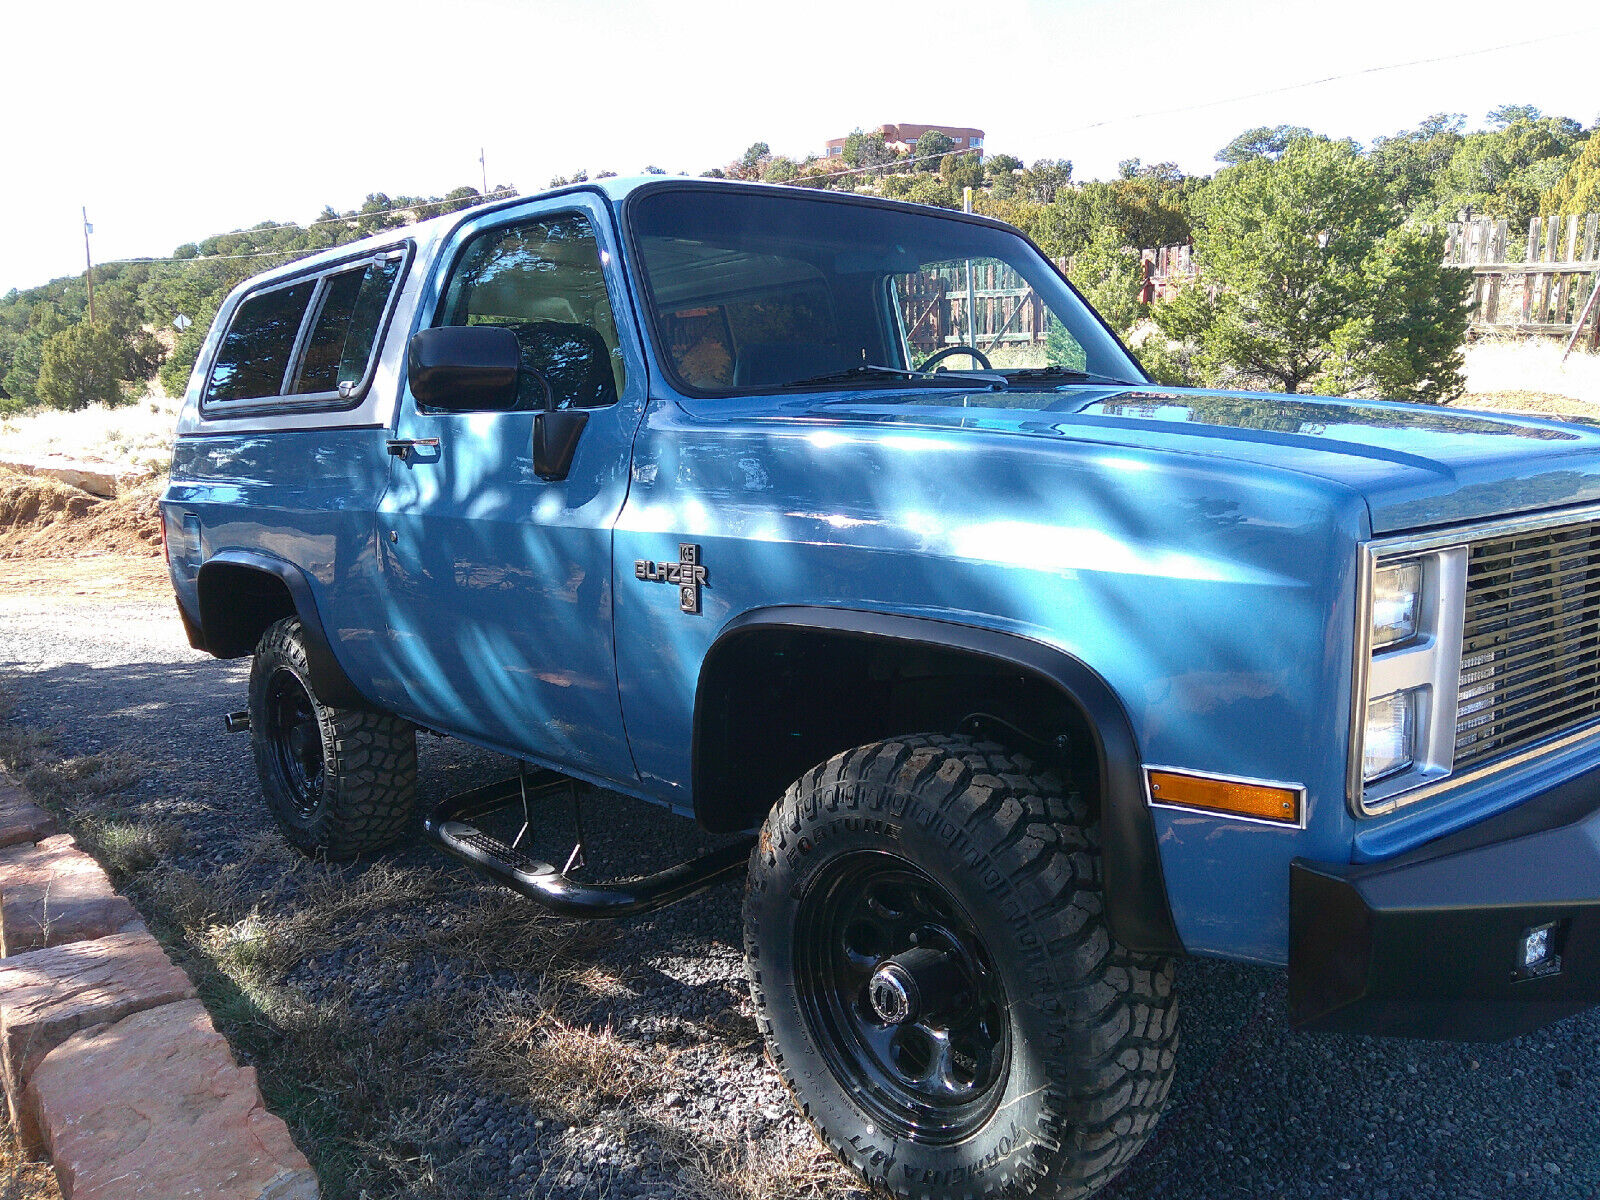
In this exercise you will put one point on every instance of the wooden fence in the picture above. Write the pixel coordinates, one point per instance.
(1540, 286)
(935, 306)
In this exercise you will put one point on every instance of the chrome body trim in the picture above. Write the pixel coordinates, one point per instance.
(1433, 774)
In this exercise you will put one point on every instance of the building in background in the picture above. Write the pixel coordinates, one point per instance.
(903, 138)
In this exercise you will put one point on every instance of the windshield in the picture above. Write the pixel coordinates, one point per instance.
(767, 291)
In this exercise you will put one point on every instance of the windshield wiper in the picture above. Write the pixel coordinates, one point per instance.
(960, 379)
(1066, 375)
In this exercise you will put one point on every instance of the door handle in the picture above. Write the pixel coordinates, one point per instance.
(402, 447)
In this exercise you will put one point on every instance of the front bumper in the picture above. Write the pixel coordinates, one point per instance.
(1430, 944)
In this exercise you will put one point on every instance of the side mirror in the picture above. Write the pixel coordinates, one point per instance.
(464, 368)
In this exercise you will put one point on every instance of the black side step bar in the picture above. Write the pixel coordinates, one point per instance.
(450, 827)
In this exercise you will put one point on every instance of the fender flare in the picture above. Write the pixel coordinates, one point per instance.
(1137, 905)
(332, 684)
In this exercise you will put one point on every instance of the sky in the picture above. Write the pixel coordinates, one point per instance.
(171, 122)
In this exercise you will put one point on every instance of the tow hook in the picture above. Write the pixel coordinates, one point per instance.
(237, 722)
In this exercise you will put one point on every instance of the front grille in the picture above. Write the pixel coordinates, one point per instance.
(1530, 649)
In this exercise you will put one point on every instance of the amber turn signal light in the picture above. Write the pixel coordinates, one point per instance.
(1262, 801)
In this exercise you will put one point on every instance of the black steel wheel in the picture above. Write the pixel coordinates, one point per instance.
(938, 986)
(294, 736)
(339, 781)
(896, 975)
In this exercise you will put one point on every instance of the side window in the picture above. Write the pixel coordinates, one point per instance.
(341, 340)
(254, 355)
(544, 281)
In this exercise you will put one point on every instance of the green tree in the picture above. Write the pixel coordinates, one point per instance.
(961, 171)
(80, 366)
(1578, 191)
(1411, 161)
(753, 160)
(779, 170)
(921, 189)
(1506, 115)
(931, 144)
(1110, 273)
(866, 149)
(1265, 141)
(40, 321)
(1304, 282)
(374, 216)
(1504, 172)
(1406, 343)
(1046, 180)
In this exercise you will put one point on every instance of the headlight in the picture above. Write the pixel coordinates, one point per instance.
(1403, 718)
(1390, 741)
(1396, 599)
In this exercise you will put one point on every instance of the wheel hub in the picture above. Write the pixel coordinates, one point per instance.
(894, 994)
(918, 983)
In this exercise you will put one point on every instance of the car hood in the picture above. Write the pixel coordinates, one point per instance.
(1416, 465)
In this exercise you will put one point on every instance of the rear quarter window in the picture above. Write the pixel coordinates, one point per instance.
(254, 355)
(309, 343)
(346, 329)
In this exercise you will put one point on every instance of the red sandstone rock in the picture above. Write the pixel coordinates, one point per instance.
(153, 1108)
(48, 995)
(21, 820)
(54, 893)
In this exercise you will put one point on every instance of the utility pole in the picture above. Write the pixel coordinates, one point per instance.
(484, 167)
(88, 260)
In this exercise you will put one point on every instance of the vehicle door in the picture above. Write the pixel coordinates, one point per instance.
(497, 581)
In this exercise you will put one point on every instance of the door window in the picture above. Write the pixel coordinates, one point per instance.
(544, 281)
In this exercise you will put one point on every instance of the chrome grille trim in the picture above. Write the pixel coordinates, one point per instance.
(1530, 650)
(1583, 739)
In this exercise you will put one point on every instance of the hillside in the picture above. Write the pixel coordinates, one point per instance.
(53, 356)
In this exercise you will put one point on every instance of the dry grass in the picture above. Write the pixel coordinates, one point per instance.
(372, 1096)
(526, 1046)
(136, 437)
(1535, 404)
(751, 1170)
(501, 931)
(20, 1177)
(1496, 365)
(64, 784)
(127, 847)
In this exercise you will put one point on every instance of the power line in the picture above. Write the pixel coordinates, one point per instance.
(484, 196)
(1311, 83)
(337, 218)
(898, 162)
(303, 251)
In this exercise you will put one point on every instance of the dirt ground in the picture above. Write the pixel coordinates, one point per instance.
(90, 577)
(41, 518)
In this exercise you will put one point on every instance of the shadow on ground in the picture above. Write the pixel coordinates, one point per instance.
(383, 1002)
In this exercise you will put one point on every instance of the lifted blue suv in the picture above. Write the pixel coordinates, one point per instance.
(1019, 676)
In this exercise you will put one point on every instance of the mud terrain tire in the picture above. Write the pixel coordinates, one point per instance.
(972, 879)
(339, 781)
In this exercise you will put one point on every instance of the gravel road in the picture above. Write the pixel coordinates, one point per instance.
(1257, 1111)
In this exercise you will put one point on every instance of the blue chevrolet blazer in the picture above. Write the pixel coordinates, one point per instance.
(848, 529)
